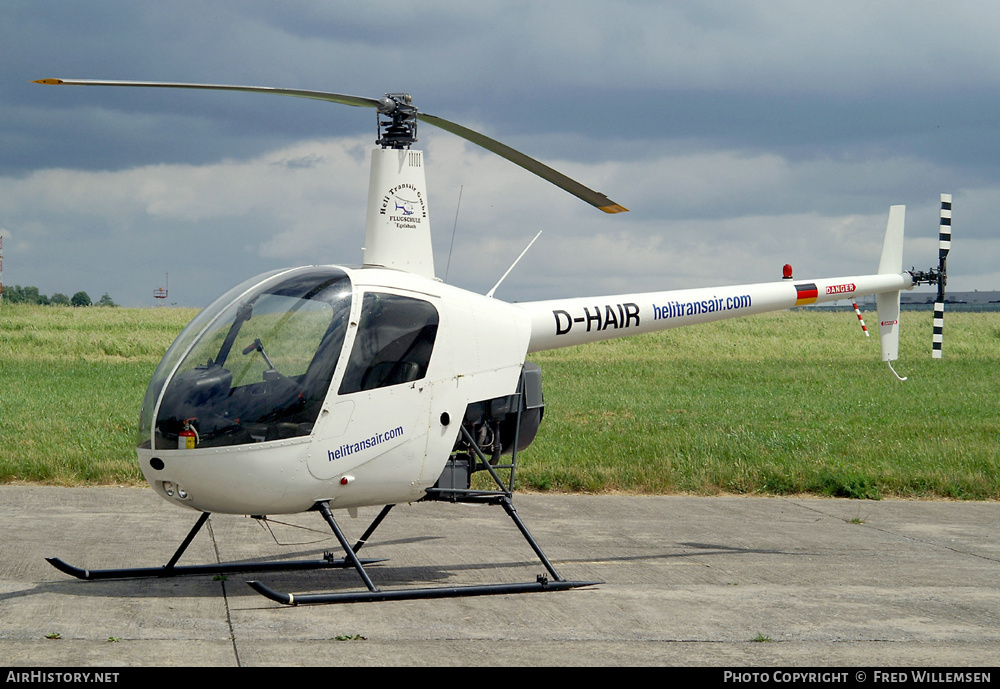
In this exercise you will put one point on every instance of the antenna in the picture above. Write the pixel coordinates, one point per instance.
(454, 229)
(490, 293)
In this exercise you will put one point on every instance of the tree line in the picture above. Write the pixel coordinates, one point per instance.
(31, 295)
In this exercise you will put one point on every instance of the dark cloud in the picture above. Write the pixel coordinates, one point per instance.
(747, 122)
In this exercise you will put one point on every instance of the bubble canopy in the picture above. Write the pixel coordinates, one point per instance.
(253, 366)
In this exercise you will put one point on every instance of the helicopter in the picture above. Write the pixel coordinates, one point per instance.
(328, 387)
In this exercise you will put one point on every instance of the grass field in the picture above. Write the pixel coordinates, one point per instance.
(71, 386)
(793, 402)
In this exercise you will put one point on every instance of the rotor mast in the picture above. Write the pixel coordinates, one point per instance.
(397, 228)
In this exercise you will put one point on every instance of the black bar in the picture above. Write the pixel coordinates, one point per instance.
(482, 458)
(371, 528)
(324, 508)
(187, 540)
(512, 513)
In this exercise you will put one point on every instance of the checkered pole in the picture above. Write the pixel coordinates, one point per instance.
(944, 246)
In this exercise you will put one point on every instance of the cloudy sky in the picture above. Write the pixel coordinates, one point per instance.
(740, 135)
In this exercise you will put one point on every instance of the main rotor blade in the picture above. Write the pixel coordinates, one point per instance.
(385, 105)
(357, 101)
(592, 197)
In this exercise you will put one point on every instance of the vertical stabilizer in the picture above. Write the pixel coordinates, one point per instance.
(398, 230)
(891, 260)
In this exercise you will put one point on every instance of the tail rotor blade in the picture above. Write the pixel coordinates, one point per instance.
(944, 246)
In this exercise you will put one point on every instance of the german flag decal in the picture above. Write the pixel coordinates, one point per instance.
(806, 294)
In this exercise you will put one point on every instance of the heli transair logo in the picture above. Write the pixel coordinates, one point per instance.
(889, 323)
(404, 205)
(348, 449)
(614, 316)
(841, 289)
(678, 309)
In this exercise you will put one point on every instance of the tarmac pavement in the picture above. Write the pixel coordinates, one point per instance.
(719, 581)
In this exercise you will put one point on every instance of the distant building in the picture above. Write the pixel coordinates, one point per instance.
(924, 300)
(977, 297)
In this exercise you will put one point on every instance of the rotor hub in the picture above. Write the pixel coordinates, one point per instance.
(397, 121)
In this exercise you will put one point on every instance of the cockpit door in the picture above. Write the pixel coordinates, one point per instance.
(385, 393)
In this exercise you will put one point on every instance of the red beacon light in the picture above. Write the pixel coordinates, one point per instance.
(786, 272)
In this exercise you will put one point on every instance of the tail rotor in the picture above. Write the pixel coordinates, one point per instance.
(938, 276)
(944, 246)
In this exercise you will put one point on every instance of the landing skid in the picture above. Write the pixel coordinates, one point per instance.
(543, 583)
(469, 458)
(172, 570)
(413, 594)
(373, 594)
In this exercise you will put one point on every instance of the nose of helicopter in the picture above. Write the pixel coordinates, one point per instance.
(266, 478)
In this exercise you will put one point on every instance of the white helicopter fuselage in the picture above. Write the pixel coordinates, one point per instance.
(371, 446)
(390, 444)
(388, 441)
(325, 387)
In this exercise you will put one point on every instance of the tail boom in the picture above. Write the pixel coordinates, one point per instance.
(567, 322)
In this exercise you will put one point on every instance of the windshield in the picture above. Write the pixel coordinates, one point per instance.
(261, 368)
